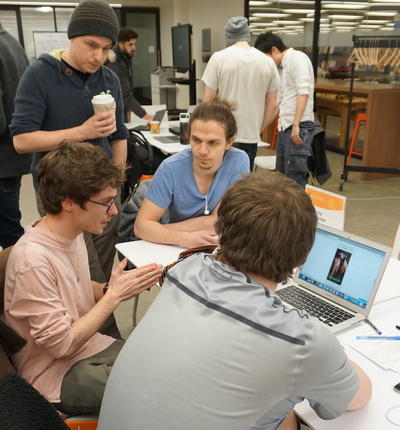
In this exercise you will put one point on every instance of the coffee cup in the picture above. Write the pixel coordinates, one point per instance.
(155, 127)
(104, 103)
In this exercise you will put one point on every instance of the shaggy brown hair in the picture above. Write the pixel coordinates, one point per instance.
(75, 171)
(266, 224)
(216, 110)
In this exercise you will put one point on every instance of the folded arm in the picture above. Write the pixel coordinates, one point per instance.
(189, 233)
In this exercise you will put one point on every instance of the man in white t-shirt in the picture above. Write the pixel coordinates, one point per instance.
(241, 75)
(296, 103)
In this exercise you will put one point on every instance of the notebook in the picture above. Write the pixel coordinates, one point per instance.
(339, 279)
(158, 116)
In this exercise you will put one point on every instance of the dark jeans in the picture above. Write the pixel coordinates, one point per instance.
(250, 149)
(10, 215)
(291, 159)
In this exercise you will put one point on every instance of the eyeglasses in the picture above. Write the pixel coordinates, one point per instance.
(107, 205)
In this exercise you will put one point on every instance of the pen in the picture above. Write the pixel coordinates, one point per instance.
(378, 337)
(373, 326)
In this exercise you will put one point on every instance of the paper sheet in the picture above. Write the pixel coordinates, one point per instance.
(384, 353)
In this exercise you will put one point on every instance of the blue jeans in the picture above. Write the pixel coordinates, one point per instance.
(10, 215)
(291, 159)
(250, 149)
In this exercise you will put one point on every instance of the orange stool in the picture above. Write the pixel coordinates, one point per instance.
(360, 117)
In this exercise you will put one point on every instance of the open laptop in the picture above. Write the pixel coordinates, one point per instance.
(158, 116)
(339, 279)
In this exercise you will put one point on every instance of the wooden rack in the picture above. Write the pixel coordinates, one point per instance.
(363, 42)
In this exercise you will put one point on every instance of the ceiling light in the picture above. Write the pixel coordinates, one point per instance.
(271, 15)
(43, 9)
(387, 1)
(369, 26)
(41, 3)
(374, 21)
(381, 13)
(262, 24)
(345, 23)
(345, 16)
(312, 19)
(298, 11)
(282, 21)
(344, 28)
(345, 5)
(259, 3)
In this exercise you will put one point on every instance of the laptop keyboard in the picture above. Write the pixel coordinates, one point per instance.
(314, 306)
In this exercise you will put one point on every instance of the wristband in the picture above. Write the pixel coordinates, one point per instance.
(105, 288)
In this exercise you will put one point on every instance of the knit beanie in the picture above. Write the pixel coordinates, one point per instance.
(94, 18)
(236, 29)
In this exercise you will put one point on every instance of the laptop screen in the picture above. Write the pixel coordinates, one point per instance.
(342, 267)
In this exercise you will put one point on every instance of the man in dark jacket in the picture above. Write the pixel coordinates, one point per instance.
(13, 62)
(120, 61)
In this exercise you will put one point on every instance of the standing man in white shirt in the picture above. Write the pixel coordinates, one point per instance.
(296, 107)
(240, 75)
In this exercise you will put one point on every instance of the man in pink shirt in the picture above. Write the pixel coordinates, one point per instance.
(50, 299)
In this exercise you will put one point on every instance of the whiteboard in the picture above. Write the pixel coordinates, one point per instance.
(46, 41)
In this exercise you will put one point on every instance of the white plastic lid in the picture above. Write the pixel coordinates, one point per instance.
(102, 99)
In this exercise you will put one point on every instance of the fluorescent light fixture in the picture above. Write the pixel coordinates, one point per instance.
(344, 28)
(387, 1)
(345, 17)
(270, 15)
(36, 3)
(282, 21)
(381, 12)
(368, 26)
(44, 9)
(312, 19)
(262, 24)
(259, 3)
(374, 21)
(345, 5)
(298, 11)
(345, 23)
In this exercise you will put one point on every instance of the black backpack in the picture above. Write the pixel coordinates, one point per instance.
(142, 159)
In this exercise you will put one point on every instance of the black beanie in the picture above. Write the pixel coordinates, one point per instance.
(94, 18)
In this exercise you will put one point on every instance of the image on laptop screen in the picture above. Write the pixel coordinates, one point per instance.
(342, 267)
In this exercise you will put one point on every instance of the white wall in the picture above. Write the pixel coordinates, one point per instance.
(201, 14)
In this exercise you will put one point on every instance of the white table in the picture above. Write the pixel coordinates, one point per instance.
(171, 148)
(387, 302)
(372, 416)
(141, 252)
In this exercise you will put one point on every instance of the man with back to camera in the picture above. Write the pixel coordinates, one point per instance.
(296, 107)
(49, 297)
(240, 75)
(188, 186)
(218, 349)
(13, 62)
(120, 61)
(53, 103)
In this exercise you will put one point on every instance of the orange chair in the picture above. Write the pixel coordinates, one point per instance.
(144, 178)
(360, 117)
(84, 422)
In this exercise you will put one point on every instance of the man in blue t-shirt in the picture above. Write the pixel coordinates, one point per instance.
(191, 183)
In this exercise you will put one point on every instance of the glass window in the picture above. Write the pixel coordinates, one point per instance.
(63, 16)
(35, 19)
(8, 19)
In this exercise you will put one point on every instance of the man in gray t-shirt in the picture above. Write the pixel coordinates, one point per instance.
(247, 79)
(217, 349)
